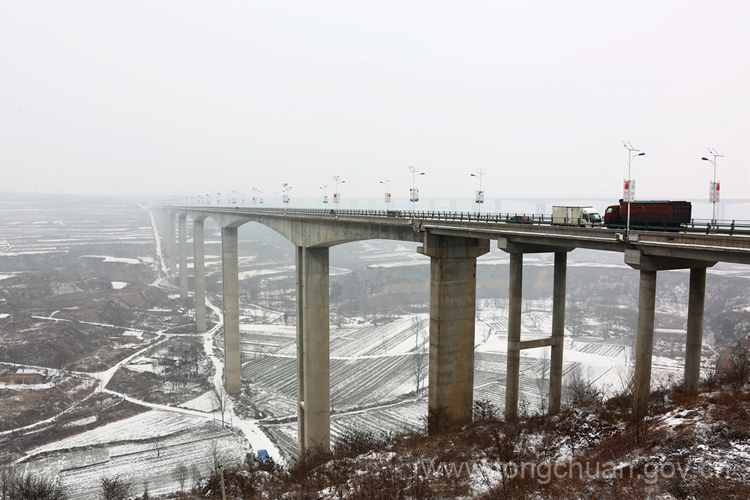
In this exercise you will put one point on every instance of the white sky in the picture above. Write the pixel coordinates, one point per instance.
(171, 97)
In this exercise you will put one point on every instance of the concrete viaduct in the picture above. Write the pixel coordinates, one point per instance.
(453, 247)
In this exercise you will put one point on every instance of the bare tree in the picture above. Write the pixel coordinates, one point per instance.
(115, 488)
(738, 372)
(421, 360)
(543, 383)
(221, 397)
(28, 487)
(158, 446)
(195, 474)
(180, 473)
(216, 455)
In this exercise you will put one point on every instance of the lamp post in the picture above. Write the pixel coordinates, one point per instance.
(285, 199)
(632, 153)
(325, 194)
(480, 193)
(387, 182)
(336, 195)
(414, 193)
(714, 193)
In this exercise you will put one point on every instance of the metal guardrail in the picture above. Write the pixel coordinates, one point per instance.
(704, 226)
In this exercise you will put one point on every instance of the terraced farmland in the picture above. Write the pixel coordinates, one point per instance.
(373, 367)
(134, 448)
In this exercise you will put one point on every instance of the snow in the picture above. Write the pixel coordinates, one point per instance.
(108, 258)
(206, 402)
(119, 285)
(4, 315)
(81, 421)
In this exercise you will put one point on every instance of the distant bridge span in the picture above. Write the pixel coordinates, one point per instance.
(453, 247)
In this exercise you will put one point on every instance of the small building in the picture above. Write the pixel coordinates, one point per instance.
(23, 376)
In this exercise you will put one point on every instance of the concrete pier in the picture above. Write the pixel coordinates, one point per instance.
(182, 237)
(313, 368)
(515, 280)
(453, 268)
(644, 344)
(230, 281)
(694, 339)
(171, 244)
(558, 333)
(199, 275)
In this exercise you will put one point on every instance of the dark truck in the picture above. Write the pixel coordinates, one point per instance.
(649, 214)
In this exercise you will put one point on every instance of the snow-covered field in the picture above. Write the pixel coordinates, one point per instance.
(374, 366)
(144, 448)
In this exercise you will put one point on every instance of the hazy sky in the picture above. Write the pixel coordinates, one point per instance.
(188, 97)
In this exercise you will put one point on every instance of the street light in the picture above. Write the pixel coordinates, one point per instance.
(285, 199)
(714, 192)
(629, 182)
(336, 195)
(414, 192)
(387, 182)
(480, 194)
(325, 194)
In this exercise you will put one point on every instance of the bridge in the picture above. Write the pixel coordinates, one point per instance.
(453, 244)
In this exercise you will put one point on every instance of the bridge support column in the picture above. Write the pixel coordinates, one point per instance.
(514, 335)
(182, 236)
(648, 265)
(694, 340)
(558, 332)
(453, 274)
(170, 245)
(556, 341)
(313, 369)
(230, 281)
(199, 276)
(644, 343)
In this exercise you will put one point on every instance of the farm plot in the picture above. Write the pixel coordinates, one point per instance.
(398, 417)
(62, 223)
(140, 449)
(398, 336)
(354, 382)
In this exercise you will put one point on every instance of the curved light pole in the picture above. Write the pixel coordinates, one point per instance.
(387, 182)
(414, 193)
(714, 193)
(480, 193)
(632, 153)
(336, 195)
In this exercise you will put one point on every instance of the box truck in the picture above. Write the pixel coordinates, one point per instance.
(575, 215)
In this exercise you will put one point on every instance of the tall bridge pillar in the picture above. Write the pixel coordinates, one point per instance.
(170, 244)
(199, 275)
(694, 339)
(453, 271)
(230, 281)
(182, 237)
(313, 369)
(648, 266)
(558, 332)
(556, 341)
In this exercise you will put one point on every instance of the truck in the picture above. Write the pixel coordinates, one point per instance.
(644, 214)
(575, 215)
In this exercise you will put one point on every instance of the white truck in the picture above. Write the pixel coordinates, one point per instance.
(572, 215)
